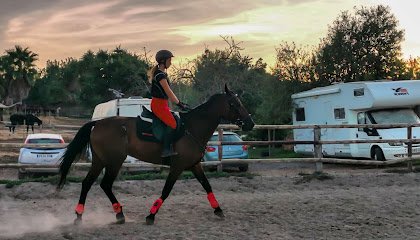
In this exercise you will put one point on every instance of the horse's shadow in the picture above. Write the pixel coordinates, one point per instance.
(23, 119)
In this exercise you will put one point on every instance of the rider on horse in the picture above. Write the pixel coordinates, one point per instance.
(161, 92)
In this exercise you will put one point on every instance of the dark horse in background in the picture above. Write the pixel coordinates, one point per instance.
(112, 139)
(23, 119)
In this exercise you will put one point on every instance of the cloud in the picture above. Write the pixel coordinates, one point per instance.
(57, 29)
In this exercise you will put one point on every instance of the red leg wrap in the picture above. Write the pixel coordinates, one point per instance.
(212, 200)
(80, 208)
(117, 207)
(156, 205)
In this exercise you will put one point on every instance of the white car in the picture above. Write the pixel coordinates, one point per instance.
(43, 155)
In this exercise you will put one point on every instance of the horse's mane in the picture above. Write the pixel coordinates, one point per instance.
(201, 109)
(204, 106)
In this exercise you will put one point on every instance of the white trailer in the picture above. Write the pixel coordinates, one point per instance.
(374, 102)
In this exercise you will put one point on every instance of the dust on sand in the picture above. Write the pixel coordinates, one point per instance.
(354, 204)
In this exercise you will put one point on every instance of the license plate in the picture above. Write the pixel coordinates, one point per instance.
(44, 155)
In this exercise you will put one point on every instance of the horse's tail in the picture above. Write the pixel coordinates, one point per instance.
(74, 149)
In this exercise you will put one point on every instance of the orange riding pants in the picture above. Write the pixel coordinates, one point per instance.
(161, 109)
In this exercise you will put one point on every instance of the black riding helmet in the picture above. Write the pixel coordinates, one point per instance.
(162, 55)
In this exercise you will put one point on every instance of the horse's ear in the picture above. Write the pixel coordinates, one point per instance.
(226, 88)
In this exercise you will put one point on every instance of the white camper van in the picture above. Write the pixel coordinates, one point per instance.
(125, 107)
(375, 102)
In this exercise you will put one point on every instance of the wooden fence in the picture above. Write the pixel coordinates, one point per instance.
(317, 158)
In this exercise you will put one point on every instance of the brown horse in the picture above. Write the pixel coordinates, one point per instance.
(112, 139)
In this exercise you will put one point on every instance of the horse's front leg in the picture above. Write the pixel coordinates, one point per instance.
(170, 182)
(198, 172)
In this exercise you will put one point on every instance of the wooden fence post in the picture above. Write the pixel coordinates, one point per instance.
(317, 148)
(220, 150)
(410, 148)
(269, 145)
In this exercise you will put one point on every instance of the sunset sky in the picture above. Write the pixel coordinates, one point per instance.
(57, 29)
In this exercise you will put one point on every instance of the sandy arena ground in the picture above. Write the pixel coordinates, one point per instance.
(358, 203)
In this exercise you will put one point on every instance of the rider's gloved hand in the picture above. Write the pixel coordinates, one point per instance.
(184, 106)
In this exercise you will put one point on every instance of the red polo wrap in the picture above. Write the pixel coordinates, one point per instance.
(212, 200)
(156, 205)
(117, 207)
(80, 208)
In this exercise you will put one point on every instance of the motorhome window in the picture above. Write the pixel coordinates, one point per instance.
(359, 92)
(339, 113)
(361, 118)
(390, 116)
(300, 114)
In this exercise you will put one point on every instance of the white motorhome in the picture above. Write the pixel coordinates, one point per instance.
(125, 107)
(374, 102)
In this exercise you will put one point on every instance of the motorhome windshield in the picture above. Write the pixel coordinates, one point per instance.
(390, 116)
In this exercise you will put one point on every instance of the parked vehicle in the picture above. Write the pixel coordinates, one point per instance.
(373, 102)
(125, 107)
(228, 151)
(41, 155)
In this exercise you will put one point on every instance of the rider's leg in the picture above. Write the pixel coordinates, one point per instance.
(161, 110)
(168, 149)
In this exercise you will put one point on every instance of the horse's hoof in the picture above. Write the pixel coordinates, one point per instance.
(150, 220)
(120, 218)
(78, 220)
(218, 212)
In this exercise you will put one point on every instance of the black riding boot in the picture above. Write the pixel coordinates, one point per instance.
(168, 149)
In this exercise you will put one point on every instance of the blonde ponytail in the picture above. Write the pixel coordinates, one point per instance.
(151, 73)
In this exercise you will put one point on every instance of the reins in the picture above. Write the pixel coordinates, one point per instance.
(195, 140)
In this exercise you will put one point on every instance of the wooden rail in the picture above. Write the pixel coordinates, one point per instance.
(317, 142)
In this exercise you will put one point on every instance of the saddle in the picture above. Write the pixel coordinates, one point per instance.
(150, 128)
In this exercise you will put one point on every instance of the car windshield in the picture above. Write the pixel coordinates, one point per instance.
(227, 138)
(44, 140)
(395, 116)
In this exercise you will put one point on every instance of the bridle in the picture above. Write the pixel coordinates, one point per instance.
(235, 105)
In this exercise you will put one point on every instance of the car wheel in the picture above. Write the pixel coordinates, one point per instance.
(378, 155)
(243, 168)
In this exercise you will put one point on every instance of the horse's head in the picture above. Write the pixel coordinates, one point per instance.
(235, 112)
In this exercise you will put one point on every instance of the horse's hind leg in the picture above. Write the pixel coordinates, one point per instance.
(110, 174)
(170, 181)
(198, 172)
(90, 178)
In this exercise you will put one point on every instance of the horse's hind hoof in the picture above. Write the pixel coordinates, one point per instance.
(150, 220)
(78, 220)
(219, 212)
(120, 218)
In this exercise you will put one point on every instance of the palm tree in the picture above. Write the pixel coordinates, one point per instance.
(19, 72)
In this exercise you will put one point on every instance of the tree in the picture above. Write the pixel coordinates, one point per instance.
(19, 72)
(216, 67)
(294, 63)
(85, 82)
(412, 68)
(360, 47)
